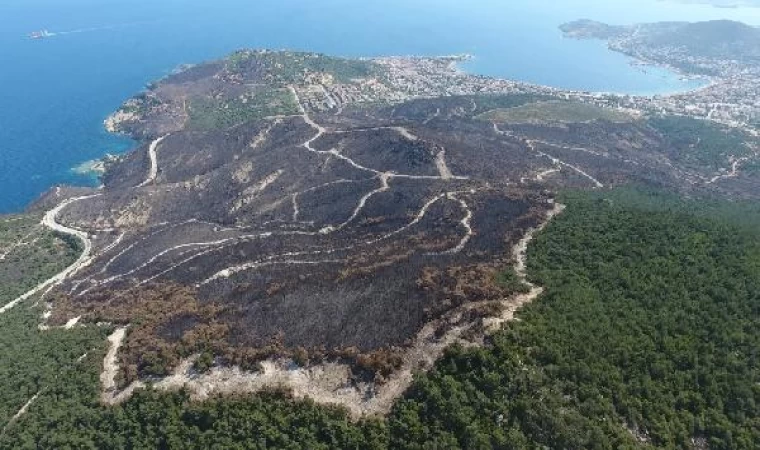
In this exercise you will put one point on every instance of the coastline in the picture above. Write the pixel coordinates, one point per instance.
(89, 95)
(93, 169)
(636, 62)
(706, 81)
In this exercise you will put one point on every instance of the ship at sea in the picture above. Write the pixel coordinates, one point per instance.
(40, 34)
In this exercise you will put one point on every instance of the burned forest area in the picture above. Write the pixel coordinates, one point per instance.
(296, 215)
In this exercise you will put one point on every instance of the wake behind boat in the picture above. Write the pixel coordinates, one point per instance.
(42, 34)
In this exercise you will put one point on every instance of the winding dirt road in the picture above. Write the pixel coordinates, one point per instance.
(558, 163)
(49, 221)
(153, 171)
(733, 172)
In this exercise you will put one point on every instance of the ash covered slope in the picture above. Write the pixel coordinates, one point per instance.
(290, 204)
(335, 233)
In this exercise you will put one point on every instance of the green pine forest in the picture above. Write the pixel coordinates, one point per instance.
(646, 337)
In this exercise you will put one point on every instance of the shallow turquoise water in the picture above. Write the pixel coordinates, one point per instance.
(54, 94)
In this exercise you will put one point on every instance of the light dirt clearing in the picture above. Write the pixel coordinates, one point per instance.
(443, 168)
(110, 394)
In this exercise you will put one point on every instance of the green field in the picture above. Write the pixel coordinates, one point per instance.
(553, 112)
(290, 67)
(486, 103)
(210, 114)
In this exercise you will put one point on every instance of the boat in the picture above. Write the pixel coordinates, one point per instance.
(40, 34)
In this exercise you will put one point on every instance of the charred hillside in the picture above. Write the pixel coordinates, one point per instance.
(314, 213)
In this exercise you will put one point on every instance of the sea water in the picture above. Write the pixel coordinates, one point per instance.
(55, 93)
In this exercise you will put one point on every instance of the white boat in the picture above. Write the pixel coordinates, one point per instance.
(40, 34)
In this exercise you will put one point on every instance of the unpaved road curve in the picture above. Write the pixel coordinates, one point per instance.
(531, 144)
(733, 173)
(49, 221)
(520, 257)
(153, 171)
(110, 395)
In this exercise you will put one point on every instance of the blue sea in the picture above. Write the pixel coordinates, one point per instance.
(55, 93)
